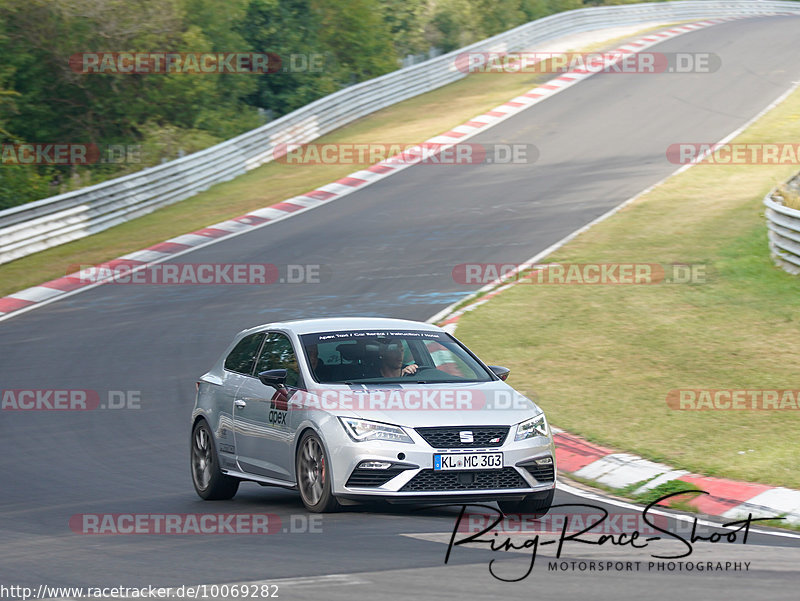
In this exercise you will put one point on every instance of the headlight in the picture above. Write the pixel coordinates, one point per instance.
(361, 430)
(535, 426)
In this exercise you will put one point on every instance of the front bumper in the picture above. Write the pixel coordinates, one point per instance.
(414, 480)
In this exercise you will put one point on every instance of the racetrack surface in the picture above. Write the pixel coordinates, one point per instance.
(388, 250)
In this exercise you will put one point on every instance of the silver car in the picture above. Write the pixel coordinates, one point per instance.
(351, 409)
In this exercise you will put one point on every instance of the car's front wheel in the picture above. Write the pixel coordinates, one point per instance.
(314, 475)
(537, 503)
(209, 482)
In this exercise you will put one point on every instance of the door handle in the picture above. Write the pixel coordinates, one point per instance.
(239, 403)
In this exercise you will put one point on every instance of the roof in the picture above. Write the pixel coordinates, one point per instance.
(332, 324)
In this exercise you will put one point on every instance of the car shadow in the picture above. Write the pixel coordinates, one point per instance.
(252, 495)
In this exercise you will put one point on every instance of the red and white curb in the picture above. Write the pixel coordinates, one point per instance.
(726, 498)
(74, 283)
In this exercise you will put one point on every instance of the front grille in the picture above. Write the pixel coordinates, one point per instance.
(431, 480)
(367, 478)
(542, 473)
(449, 437)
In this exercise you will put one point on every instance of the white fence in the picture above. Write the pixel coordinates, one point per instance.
(52, 221)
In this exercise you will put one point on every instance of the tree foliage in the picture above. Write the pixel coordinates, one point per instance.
(324, 45)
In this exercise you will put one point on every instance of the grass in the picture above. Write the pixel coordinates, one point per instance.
(788, 196)
(645, 498)
(780, 524)
(412, 121)
(681, 503)
(602, 359)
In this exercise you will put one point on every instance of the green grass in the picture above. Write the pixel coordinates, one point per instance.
(780, 524)
(645, 498)
(602, 359)
(788, 196)
(679, 502)
(412, 121)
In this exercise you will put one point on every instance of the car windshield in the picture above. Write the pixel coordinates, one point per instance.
(383, 356)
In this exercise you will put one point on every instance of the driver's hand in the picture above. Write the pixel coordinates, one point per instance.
(409, 369)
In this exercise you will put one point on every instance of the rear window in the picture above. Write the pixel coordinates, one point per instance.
(381, 356)
(242, 358)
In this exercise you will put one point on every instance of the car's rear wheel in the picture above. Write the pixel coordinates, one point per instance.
(209, 482)
(314, 475)
(537, 503)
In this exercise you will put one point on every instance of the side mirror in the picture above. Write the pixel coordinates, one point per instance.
(273, 377)
(500, 372)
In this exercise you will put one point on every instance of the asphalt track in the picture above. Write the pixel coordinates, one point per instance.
(388, 250)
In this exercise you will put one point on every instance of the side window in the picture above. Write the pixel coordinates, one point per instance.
(243, 355)
(279, 354)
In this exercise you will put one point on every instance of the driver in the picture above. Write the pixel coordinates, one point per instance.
(318, 366)
(391, 360)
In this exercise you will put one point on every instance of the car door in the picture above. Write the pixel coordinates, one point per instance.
(238, 367)
(264, 431)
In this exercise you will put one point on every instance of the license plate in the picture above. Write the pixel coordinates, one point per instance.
(468, 461)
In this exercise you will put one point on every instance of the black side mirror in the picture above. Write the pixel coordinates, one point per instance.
(500, 372)
(273, 377)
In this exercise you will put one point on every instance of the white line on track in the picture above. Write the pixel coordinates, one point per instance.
(554, 247)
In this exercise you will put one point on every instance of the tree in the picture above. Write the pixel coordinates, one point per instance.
(405, 20)
(497, 16)
(290, 29)
(455, 24)
(358, 38)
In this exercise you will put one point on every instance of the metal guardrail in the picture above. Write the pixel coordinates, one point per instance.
(45, 223)
(783, 232)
